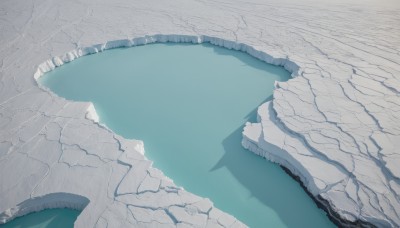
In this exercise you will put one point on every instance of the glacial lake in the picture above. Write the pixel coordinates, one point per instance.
(189, 103)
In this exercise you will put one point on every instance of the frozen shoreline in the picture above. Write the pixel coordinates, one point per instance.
(57, 61)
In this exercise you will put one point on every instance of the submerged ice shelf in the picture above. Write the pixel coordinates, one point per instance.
(342, 108)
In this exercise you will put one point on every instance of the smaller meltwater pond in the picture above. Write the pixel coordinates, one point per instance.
(50, 218)
(189, 103)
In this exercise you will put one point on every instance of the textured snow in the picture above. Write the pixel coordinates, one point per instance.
(335, 124)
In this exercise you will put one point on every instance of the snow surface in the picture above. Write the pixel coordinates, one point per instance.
(336, 124)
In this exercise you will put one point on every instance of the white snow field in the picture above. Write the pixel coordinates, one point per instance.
(336, 124)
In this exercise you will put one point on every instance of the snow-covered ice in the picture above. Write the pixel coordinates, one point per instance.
(336, 124)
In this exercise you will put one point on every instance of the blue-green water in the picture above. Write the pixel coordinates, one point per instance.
(189, 103)
(50, 218)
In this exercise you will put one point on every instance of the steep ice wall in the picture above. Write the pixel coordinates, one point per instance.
(335, 125)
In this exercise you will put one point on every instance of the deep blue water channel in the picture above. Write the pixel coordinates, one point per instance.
(189, 103)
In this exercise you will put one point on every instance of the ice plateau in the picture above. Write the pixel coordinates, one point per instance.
(335, 125)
